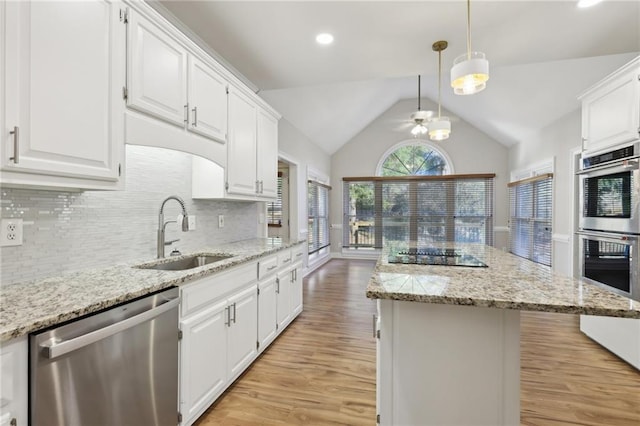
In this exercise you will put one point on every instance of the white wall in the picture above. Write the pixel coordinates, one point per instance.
(70, 231)
(555, 142)
(470, 150)
(311, 160)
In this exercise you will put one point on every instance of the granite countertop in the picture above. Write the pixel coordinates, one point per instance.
(509, 282)
(30, 306)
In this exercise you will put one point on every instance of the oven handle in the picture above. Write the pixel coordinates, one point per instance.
(53, 349)
(631, 163)
(612, 236)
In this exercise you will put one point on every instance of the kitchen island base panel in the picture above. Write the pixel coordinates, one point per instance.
(448, 365)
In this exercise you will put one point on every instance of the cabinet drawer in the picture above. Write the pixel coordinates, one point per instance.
(297, 253)
(267, 266)
(284, 258)
(200, 293)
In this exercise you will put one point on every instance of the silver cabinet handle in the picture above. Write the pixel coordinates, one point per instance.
(286, 260)
(16, 145)
(261, 186)
(278, 285)
(257, 187)
(234, 312)
(186, 114)
(227, 313)
(299, 254)
(195, 116)
(53, 349)
(271, 268)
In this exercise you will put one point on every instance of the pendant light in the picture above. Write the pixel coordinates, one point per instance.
(439, 127)
(419, 117)
(470, 71)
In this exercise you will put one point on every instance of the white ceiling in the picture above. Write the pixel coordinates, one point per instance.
(542, 54)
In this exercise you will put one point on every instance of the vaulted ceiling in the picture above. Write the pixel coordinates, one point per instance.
(542, 55)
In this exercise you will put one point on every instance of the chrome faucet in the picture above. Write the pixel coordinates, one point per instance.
(162, 224)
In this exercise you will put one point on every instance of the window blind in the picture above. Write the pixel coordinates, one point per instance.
(274, 208)
(531, 218)
(318, 199)
(379, 211)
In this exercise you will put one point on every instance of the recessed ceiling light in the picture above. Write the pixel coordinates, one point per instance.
(324, 38)
(587, 3)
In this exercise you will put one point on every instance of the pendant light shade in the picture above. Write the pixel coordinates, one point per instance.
(470, 71)
(440, 127)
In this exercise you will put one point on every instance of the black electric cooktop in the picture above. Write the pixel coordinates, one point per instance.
(434, 256)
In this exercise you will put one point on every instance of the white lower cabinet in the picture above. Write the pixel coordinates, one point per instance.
(203, 360)
(283, 299)
(13, 382)
(226, 319)
(267, 312)
(296, 289)
(219, 325)
(243, 329)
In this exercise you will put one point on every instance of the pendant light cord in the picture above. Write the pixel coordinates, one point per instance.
(468, 29)
(418, 92)
(439, 80)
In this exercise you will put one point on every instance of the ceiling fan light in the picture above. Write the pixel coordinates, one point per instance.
(469, 73)
(439, 129)
(419, 129)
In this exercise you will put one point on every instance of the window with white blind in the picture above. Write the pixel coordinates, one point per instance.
(379, 211)
(318, 199)
(274, 208)
(531, 218)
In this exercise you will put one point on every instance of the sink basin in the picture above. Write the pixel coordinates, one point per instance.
(187, 262)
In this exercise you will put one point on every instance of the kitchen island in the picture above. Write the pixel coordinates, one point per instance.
(453, 358)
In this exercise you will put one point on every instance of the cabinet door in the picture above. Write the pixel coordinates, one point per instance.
(13, 380)
(611, 114)
(283, 292)
(243, 331)
(203, 359)
(296, 289)
(157, 71)
(267, 315)
(267, 155)
(64, 70)
(241, 149)
(207, 101)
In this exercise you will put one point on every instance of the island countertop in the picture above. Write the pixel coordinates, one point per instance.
(509, 282)
(30, 306)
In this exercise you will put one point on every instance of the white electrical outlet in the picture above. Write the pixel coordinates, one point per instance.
(10, 232)
(192, 223)
(220, 221)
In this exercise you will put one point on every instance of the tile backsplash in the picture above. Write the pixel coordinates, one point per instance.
(70, 231)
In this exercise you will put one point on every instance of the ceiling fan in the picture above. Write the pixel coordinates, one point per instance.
(420, 118)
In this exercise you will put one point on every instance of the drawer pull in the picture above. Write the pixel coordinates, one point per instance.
(271, 268)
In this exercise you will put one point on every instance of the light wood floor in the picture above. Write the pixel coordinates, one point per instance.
(321, 370)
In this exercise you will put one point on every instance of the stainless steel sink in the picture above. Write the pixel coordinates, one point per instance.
(188, 262)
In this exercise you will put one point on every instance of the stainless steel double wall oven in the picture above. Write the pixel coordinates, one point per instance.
(609, 225)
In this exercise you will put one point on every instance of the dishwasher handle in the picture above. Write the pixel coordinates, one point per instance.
(53, 349)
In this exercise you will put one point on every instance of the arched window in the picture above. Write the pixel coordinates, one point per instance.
(414, 159)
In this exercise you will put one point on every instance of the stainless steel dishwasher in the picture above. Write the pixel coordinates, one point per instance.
(117, 367)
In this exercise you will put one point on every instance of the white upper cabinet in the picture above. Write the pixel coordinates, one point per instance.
(207, 100)
(241, 151)
(252, 154)
(169, 82)
(611, 109)
(64, 69)
(267, 155)
(157, 71)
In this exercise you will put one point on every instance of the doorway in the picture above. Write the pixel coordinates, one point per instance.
(279, 211)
